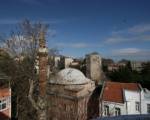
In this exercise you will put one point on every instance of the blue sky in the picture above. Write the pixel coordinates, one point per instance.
(114, 28)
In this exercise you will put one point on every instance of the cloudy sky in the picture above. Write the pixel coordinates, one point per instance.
(114, 28)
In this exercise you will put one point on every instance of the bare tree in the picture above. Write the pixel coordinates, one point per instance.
(23, 46)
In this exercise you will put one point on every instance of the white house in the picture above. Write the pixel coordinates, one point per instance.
(124, 99)
(145, 101)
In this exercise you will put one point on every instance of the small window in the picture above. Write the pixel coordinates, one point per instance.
(148, 108)
(117, 111)
(137, 106)
(106, 110)
(3, 104)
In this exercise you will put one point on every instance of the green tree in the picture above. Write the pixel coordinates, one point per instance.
(146, 75)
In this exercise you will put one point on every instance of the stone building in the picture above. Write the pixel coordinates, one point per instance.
(65, 61)
(93, 67)
(69, 92)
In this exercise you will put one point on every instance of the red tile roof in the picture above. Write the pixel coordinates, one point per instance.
(113, 91)
(5, 92)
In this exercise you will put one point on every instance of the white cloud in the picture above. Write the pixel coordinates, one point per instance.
(132, 52)
(140, 28)
(77, 45)
(137, 33)
(72, 45)
(116, 39)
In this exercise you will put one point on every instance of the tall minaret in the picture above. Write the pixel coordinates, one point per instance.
(43, 62)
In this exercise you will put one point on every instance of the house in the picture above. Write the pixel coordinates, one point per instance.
(5, 98)
(5, 103)
(124, 99)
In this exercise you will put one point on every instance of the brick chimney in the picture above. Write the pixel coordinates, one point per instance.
(43, 62)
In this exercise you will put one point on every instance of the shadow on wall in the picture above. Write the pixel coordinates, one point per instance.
(3, 116)
(93, 104)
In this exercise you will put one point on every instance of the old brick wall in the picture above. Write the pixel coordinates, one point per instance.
(62, 109)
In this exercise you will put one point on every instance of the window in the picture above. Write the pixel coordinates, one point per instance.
(117, 111)
(106, 110)
(3, 104)
(148, 108)
(137, 106)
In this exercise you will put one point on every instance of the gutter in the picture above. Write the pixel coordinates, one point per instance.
(100, 106)
(141, 89)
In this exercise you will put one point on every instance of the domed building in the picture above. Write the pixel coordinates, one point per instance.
(69, 92)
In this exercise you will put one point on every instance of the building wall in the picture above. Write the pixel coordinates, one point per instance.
(145, 99)
(68, 62)
(136, 65)
(112, 106)
(65, 62)
(69, 102)
(56, 61)
(93, 67)
(131, 97)
(61, 108)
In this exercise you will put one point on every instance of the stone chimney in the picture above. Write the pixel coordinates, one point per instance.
(43, 62)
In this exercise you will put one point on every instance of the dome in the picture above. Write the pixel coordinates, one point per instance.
(69, 76)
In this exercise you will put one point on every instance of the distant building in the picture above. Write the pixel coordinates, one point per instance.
(66, 61)
(136, 65)
(113, 67)
(56, 61)
(76, 63)
(93, 67)
(106, 62)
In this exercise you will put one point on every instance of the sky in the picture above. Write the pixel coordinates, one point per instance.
(114, 28)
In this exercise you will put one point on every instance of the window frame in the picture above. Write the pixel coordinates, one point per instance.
(148, 108)
(137, 106)
(106, 110)
(4, 103)
(117, 111)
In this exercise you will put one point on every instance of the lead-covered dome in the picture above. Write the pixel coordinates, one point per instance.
(69, 76)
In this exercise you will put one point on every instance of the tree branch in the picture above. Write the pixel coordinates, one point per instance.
(30, 96)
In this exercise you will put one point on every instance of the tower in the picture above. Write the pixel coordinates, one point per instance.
(43, 61)
(93, 67)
